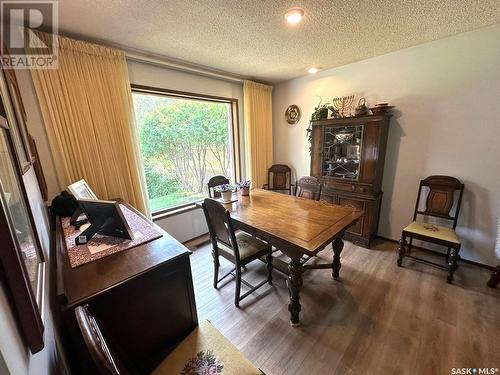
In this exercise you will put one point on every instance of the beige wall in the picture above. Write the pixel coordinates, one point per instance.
(447, 96)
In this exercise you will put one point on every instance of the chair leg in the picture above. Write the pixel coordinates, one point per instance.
(410, 243)
(216, 268)
(452, 264)
(401, 250)
(237, 290)
(495, 278)
(448, 252)
(269, 265)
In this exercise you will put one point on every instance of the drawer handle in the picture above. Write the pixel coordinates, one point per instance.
(353, 187)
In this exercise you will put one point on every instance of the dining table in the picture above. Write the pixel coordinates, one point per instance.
(296, 226)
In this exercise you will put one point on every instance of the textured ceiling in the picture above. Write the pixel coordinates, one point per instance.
(250, 38)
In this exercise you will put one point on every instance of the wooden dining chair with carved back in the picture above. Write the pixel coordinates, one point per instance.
(204, 342)
(308, 187)
(239, 248)
(213, 183)
(279, 178)
(441, 202)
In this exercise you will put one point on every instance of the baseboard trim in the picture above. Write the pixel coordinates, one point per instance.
(197, 241)
(471, 262)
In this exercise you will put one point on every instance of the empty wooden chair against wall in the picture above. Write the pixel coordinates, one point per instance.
(279, 179)
(439, 202)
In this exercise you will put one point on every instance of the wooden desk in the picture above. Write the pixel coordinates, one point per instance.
(296, 226)
(143, 297)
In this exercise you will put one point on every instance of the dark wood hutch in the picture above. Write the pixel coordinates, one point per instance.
(347, 155)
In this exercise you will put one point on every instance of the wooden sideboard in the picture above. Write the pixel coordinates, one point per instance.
(143, 297)
(348, 156)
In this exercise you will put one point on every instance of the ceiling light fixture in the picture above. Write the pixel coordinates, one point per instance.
(313, 70)
(294, 15)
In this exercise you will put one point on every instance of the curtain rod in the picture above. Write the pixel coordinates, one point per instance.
(180, 66)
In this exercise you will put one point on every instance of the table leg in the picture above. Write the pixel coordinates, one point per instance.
(495, 278)
(337, 245)
(294, 286)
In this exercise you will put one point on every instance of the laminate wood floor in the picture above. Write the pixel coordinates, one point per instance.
(377, 319)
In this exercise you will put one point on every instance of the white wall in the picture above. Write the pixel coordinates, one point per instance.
(447, 96)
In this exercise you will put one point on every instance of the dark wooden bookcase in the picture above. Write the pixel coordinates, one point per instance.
(348, 155)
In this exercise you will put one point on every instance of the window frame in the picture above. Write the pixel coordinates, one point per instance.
(234, 135)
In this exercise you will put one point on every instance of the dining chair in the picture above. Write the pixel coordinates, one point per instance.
(239, 248)
(213, 183)
(279, 178)
(203, 351)
(440, 193)
(308, 187)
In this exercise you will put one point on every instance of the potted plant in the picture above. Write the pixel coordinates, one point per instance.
(226, 190)
(244, 187)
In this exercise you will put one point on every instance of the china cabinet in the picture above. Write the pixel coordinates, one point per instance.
(347, 155)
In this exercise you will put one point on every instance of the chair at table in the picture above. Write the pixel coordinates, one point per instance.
(214, 182)
(440, 199)
(308, 187)
(204, 348)
(279, 178)
(239, 248)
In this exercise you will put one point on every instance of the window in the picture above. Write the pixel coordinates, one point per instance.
(185, 140)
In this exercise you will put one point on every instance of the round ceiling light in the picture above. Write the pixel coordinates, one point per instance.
(294, 15)
(313, 70)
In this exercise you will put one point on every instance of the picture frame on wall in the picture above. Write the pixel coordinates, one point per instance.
(12, 109)
(22, 263)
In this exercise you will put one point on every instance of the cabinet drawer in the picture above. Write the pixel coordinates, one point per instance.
(364, 189)
(332, 185)
(359, 205)
(346, 186)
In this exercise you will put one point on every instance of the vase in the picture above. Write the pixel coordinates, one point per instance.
(245, 191)
(226, 195)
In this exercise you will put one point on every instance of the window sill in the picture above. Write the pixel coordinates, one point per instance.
(174, 211)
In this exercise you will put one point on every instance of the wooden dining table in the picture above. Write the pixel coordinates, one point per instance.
(297, 227)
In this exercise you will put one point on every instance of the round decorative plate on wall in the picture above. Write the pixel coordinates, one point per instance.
(292, 114)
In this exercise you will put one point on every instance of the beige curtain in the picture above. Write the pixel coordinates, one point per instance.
(88, 112)
(258, 131)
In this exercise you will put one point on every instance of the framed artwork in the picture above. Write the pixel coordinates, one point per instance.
(13, 111)
(22, 265)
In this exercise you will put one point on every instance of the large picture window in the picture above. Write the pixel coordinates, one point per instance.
(185, 140)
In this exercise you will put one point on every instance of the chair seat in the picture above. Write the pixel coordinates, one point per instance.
(206, 351)
(438, 232)
(247, 244)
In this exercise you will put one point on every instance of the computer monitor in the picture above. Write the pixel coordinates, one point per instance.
(106, 218)
(81, 190)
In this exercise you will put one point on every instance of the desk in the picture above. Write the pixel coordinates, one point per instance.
(143, 297)
(297, 227)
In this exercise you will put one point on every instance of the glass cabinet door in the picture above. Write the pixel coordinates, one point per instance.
(342, 151)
